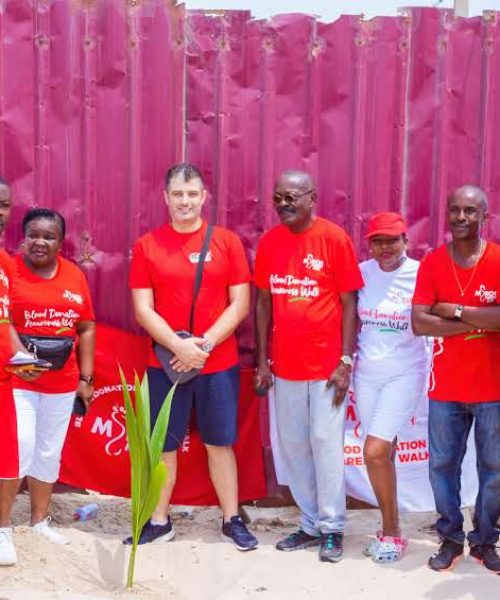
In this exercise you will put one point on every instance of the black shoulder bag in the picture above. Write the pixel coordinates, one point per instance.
(163, 354)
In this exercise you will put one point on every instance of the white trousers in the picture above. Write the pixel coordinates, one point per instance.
(310, 436)
(42, 424)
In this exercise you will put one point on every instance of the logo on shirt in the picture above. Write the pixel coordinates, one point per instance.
(72, 297)
(4, 279)
(484, 295)
(398, 297)
(194, 257)
(316, 264)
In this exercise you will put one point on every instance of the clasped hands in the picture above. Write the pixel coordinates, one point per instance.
(188, 354)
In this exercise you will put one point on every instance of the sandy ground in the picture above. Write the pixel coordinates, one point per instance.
(198, 565)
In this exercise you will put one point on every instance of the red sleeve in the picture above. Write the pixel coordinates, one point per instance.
(425, 292)
(139, 269)
(261, 272)
(87, 313)
(346, 270)
(239, 272)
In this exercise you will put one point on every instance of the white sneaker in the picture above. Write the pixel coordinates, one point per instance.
(8, 554)
(52, 535)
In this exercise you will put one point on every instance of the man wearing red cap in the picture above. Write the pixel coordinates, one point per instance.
(457, 301)
(307, 275)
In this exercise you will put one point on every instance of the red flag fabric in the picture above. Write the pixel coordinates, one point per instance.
(95, 454)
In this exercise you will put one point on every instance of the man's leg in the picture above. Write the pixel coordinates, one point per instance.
(449, 427)
(159, 528)
(160, 514)
(327, 443)
(484, 536)
(224, 476)
(216, 404)
(294, 444)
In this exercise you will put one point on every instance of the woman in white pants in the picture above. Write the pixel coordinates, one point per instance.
(391, 369)
(50, 304)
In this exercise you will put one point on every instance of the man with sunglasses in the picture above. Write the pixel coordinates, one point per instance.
(307, 277)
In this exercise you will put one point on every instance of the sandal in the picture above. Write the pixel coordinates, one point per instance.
(389, 549)
(371, 547)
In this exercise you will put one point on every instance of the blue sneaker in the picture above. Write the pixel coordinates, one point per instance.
(154, 534)
(331, 549)
(236, 531)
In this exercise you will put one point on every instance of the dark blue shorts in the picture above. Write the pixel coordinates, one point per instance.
(214, 397)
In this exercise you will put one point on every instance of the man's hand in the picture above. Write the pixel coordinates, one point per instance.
(85, 391)
(188, 354)
(263, 379)
(340, 379)
(445, 310)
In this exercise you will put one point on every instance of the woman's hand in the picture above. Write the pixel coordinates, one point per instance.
(31, 375)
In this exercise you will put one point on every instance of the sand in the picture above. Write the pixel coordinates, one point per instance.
(197, 565)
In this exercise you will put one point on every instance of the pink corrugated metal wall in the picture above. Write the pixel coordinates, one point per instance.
(91, 113)
(98, 97)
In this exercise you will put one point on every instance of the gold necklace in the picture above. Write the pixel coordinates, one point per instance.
(459, 285)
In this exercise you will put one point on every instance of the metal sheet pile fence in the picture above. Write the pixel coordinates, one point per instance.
(98, 98)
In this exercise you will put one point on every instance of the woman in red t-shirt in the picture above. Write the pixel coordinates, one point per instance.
(50, 298)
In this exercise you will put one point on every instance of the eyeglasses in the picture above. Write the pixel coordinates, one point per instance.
(289, 198)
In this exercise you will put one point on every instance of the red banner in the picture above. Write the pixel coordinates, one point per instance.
(96, 455)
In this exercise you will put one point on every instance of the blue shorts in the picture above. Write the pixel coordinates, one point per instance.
(214, 397)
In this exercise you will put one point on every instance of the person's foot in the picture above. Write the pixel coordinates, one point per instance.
(331, 549)
(153, 534)
(236, 531)
(445, 558)
(372, 546)
(8, 555)
(298, 540)
(42, 528)
(389, 549)
(487, 555)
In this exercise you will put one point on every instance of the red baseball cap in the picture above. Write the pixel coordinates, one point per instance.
(386, 223)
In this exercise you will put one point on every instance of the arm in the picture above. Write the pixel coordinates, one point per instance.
(341, 376)
(238, 309)
(187, 350)
(263, 314)
(86, 348)
(16, 342)
(423, 322)
(477, 317)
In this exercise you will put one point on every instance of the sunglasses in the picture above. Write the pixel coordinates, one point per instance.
(288, 197)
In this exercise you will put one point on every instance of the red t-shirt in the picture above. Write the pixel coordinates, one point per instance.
(165, 261)
(306, 272)
(51, 307)
(6, 271)
(466, 367)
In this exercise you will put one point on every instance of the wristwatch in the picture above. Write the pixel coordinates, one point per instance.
(347, 360)
(87, 378)
(458, 312)
(207, 346)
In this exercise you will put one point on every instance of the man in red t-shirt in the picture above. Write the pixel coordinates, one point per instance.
(162, 279)
(307, 275)
(457, 300)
